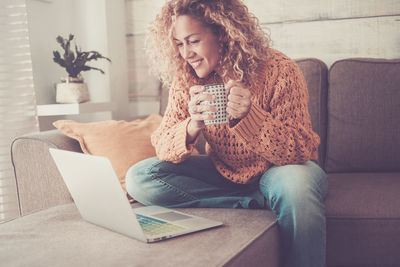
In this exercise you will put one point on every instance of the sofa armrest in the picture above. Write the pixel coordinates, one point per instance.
(39, 184)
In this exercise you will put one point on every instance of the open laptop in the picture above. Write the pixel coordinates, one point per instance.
(97, 193)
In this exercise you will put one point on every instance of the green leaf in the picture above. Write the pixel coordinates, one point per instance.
(74, 61)
(57, 58)
(86, 68)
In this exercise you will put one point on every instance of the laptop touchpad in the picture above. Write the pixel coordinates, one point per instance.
(171, 216)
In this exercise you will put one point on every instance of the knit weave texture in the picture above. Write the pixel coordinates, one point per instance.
(276, 131)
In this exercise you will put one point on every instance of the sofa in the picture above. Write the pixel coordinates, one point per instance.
(355, 108)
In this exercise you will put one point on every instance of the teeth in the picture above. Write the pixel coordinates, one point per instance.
(195, 64)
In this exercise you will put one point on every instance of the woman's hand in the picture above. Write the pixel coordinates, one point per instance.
(196, 110)
(238, 99)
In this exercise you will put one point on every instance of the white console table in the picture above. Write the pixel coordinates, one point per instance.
(74, 109)
(49, 113)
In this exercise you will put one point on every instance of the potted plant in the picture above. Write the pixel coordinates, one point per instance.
(72, 89)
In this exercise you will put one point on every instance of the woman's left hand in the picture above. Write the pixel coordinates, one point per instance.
(238, 99)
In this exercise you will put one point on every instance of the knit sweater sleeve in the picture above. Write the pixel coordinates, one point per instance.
(169, 139)
(278, 127)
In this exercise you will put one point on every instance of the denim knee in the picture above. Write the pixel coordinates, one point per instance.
(294, 186)
(138, 178)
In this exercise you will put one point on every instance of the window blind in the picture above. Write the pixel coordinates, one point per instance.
(17, 97)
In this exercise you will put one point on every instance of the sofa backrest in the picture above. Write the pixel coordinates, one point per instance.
(315, 73)
(363, 131)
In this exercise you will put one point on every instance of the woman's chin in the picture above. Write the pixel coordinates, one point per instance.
(202, 74)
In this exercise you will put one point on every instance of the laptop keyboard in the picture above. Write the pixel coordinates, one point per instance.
(153, 226)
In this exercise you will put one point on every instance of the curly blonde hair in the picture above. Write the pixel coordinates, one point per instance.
(243, 43)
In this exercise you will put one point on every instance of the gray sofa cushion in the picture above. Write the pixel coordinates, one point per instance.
(59, 237)
(363, 116)
(363, 218)
(364, 195)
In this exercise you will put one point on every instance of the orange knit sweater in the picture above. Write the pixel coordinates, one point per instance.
(276, 131)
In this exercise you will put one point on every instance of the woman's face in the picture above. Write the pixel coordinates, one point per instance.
(197, 44)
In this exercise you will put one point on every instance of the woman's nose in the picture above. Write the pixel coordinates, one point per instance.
(187, 52)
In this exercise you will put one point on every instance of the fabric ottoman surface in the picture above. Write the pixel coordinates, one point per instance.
(60, 237)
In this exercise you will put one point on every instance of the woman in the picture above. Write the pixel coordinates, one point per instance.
(266, 151)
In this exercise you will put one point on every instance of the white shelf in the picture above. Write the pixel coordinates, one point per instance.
(74, 109)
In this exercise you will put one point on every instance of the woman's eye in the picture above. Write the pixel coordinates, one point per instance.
(179, 44)
(194, 41)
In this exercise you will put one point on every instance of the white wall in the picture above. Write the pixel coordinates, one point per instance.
(331, 29)
(90, 25)
(83, 18)
(97, 25)
(46, 21)
(116, 38)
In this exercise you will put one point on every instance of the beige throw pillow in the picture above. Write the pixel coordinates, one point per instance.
(123, 143)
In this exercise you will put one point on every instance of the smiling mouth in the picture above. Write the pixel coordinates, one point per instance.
(196, 63)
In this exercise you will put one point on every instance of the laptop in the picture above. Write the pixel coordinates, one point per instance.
(99, 197)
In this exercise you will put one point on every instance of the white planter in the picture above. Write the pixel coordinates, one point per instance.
(73, 90)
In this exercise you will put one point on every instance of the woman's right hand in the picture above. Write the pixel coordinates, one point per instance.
(196, 110)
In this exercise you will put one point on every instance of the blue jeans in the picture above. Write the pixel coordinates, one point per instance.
(295, 194)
